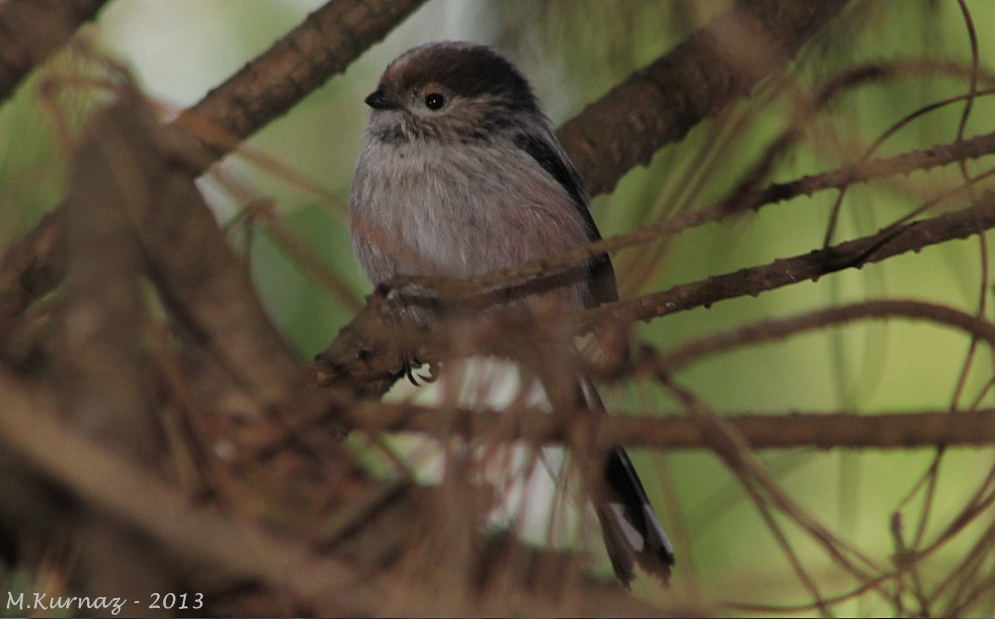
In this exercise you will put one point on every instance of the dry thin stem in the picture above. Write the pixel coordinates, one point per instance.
(303, 256)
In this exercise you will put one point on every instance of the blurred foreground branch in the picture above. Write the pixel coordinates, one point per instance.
(328, 41)
(31, 30)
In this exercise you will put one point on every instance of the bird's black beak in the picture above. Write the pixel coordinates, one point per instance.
(378, 100)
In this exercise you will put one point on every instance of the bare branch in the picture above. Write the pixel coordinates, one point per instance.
(699, 78)
(101, 322)
(784, 327)
(267, 87)
(970, 221)
(881, 430)
(207, 287)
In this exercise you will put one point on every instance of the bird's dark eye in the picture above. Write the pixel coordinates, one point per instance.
(434, 101)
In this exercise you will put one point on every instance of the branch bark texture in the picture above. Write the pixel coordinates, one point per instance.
(662, 102)
(268, 86)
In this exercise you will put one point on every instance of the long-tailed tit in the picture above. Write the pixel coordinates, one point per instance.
(461, 174)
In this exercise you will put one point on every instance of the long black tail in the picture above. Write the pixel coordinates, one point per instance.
(633, 534)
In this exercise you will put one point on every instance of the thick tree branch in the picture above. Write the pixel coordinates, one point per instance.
(906, 163)
(206, 286)
(114, 486)
(31, 30)
(976, 328)
(105, 388)
(921, 429)
(662, 102)
(31, 267)
(267, 87)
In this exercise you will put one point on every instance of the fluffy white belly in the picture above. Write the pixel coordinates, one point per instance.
(536, 494)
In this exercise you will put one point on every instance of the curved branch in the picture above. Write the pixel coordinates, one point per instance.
(33, 265)
(851, 254)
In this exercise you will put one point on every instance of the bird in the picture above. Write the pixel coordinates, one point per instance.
(461, 174)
